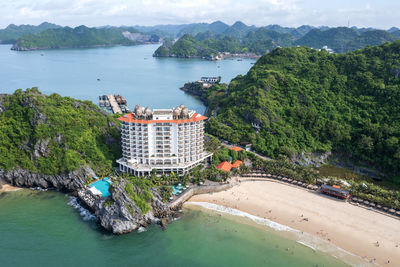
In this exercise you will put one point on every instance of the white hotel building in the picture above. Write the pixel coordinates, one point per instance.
(168, 140)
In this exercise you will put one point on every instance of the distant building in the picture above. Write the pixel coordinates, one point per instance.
(330, 51)
(168, 140)
(209, 79)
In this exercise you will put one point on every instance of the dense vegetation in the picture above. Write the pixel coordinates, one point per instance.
(239, 38)
(299, 99)
(12, 32)
(54, 134)
(344, 39)
(138, 190)
(81, 36)
(209, 45)
(187, 46)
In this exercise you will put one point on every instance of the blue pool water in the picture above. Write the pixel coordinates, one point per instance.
(176, 189)
(103, 186)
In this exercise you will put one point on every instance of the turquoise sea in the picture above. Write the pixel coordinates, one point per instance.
(41, 229)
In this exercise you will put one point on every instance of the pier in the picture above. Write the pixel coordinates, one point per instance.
(115, 103)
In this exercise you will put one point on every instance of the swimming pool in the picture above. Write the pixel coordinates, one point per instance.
(177, 189)
(103, 186)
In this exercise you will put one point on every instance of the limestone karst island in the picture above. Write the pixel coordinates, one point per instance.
(192, 133)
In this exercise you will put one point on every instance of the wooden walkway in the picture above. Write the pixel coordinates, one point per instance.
(114, 105)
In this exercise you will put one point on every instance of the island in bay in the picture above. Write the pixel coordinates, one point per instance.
(263, 149)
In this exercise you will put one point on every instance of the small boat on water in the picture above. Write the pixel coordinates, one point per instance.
(42, 55)
(98, 79)
(240, 59)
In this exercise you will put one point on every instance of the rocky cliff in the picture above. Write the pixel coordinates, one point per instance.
(119, 214)
(71, 181)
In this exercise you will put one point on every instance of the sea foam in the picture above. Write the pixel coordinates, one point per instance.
(305, 239)
(85, 214)
(235, 212)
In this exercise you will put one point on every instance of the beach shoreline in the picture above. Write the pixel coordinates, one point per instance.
(369, 235)
(8, 188)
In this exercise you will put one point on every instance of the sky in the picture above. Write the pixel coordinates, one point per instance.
(371, 13)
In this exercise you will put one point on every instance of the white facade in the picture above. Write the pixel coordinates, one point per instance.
(163, 140)
(209, 79)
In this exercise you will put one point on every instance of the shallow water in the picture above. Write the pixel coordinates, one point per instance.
(39, 228)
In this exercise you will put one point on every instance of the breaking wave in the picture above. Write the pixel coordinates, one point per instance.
(235, 212)
(305, 239)
(85, 214)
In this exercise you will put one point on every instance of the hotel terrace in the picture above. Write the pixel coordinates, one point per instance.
(168, 140)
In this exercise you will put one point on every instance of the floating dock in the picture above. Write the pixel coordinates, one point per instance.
(115, 103)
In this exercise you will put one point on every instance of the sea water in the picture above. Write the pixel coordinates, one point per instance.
(130, 71)
(39, 229)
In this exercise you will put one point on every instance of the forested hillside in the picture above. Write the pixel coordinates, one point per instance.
(12, 32)
(343, 39)
(82, 36)
(240, 38)
(300, 99)
(54, 134)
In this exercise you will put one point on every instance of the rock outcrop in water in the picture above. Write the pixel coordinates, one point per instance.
(119, 214)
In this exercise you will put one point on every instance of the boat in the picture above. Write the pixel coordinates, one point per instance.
(98, 79)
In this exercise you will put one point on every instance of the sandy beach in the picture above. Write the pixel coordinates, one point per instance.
(8, 188)
(368, 234)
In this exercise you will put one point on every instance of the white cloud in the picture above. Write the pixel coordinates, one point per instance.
(150, 12)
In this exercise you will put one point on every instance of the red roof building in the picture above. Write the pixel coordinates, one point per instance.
(224, 166)
(237, 164)
(237, 149)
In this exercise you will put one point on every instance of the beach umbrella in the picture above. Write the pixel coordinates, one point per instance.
(379, 206)
(392, 211)
(290, 180)
(385, 208)
(372, 204)
(398, 213)
(284, 179)
(354, 199)
(366, 202)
